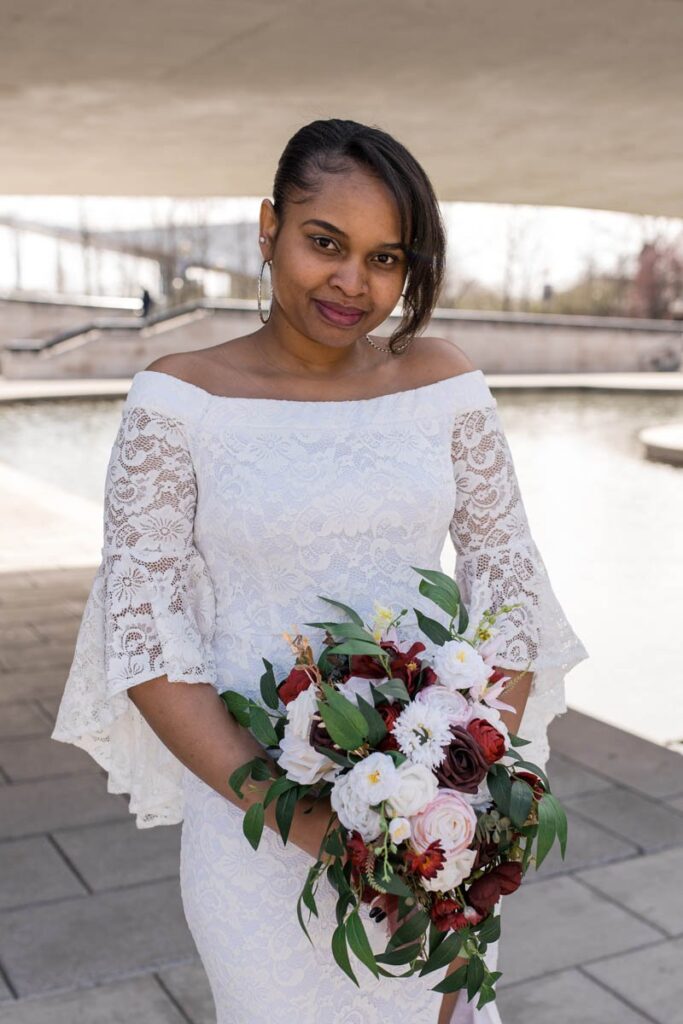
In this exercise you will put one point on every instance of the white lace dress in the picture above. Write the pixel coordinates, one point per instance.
(224, 520)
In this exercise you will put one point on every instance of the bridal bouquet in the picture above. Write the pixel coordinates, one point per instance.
(436, 813)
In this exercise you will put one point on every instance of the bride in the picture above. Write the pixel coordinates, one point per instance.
(247, 479)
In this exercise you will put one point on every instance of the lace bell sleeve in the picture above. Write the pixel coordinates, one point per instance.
(150, 612)
(498, 562)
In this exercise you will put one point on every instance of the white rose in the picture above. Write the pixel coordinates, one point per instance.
(374, 778)
(354, 812)
(454, 871)
(453, 706)
(301, 762)
(399, 830)
(417, 786)
(459, 666)
(300, 712)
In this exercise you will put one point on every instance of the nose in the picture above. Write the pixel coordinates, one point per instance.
(350, 276)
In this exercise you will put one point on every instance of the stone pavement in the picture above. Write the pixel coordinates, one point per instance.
(91, 925)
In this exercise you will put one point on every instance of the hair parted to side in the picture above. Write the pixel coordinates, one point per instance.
(328, 146)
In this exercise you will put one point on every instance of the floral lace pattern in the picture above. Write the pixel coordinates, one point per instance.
(226, 522)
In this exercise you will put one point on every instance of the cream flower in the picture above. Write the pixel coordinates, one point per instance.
(450, 704)
(416, 788)
(454, 871)
(459, 666)
(374, 778)
(352, 810)
(421, 732)
(399, 830)
(449, 818)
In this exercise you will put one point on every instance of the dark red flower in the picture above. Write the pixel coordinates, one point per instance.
(407, 666)
(509, 876)
(296, 682)
(447, 914)
(367, 666)
(425, 863)
(389, 713)
(357, 850)
(427, 677)
(491, 741)
(534, 782)
(502, 880)
(464, 766)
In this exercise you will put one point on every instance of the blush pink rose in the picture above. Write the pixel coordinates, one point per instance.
(449, 818)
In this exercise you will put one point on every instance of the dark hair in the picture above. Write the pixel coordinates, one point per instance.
(327, 146)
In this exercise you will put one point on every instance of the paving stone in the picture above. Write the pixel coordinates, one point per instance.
(22, 718)
(587, 845)
(138, 1001)
(42, 654)
(650, 886)
(18, 635)
(564, 925)
(80, 942)
(13, 613)
(27, 808)
(677, 803)
(33, 682)
(565, 998)
(5, 993)
(119, 853)
(50, 706)
(638, 819)
(627, 759)
(39, 757)
(31, 870)
(570, 779)
(63, 630)
(190, 987)
(651, 979)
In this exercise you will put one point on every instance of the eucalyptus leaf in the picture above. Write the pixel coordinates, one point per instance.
(475, 976)
(377, 730)
(239, 777)
(252, 824)
(269, 686)
(415, 926)
(341, 953)
(443, 954)
(345, 608)
(436, 631)
(440, 596)
(238, 706)
(262, 727)
(284, 811)
(359, 942)
(455, 981)
(400, 956)
(521, 800)
(547, 829)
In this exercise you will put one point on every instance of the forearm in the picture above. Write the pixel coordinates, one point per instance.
(196, 726)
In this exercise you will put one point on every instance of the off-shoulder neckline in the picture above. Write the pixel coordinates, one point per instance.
(311, 402)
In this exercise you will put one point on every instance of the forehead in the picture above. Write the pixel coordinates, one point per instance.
(357, 202)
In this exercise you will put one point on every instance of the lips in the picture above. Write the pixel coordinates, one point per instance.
(338, 316)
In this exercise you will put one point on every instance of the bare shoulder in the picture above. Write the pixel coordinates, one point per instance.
(177, 364)
(438, 357)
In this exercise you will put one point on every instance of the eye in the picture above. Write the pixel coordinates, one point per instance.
(394, 259)
(322, 238)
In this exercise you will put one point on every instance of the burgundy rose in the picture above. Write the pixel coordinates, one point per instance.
(491, 741)
(296, 682)
(484, 893)
(464, 766)
(447, 914)
(502, 880)
(319, 736)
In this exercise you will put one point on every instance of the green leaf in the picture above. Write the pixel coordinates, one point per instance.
(239, 777)
(308, 897)
(560, 822)
(359, 647)
(500, 788)
(475, 976)
(517, 741)
(345, 608)
(334, 755)
(341, 953)
(400, 956)
(269, 686)
(415, 926)
(394, 688)
(262, 727)
(252, 824)
(436, 631)
(393, 884)
(455, 981)
(444, 953)
(547, 829)
(238, 705)
(260, 770)
(440, 579)
(536, 770)
(441, 596)
(377, 730)
(463, 620)
(489, 930)
(334, 843)
(284, 811)
(280, 786)
(521, 799)
(341, 730)
(359, 942)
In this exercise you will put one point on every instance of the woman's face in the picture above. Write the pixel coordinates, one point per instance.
(338, 279)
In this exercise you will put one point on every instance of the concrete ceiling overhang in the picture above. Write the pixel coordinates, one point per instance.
(530, 101)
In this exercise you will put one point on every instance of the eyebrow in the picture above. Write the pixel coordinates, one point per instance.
(338, 231)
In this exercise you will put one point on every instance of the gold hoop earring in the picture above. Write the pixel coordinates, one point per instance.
(264, 320)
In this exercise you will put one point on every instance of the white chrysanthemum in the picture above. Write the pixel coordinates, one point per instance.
(422, 732)
(399, 830)
(374, 778)
(459, 666)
